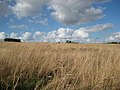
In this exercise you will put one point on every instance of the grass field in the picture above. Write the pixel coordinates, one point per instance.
(43, 66)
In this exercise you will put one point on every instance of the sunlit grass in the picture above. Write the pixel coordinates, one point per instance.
(43, 66)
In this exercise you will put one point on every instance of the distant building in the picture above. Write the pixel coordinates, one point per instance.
(11, 40)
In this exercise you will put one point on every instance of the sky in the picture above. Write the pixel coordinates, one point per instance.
(60, 20)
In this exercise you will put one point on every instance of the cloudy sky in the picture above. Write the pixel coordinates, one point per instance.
(58, 20)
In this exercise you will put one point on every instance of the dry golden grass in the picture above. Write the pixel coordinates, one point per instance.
(43, 66)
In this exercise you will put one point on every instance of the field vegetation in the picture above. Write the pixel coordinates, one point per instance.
(44, 66)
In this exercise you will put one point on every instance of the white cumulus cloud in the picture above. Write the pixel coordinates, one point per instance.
(39, 36)
(82, 34)
(3, 35)
(60, 33)
(69, 12)
(25, 8)
(75, 11)
(13, 35)
(100, 27)
(27, 36)
(114, 37)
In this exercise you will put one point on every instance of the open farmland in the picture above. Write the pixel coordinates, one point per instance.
(43, 66)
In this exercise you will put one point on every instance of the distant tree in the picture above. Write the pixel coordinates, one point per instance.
(11, 40)
(68, 41)
(113, 43)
